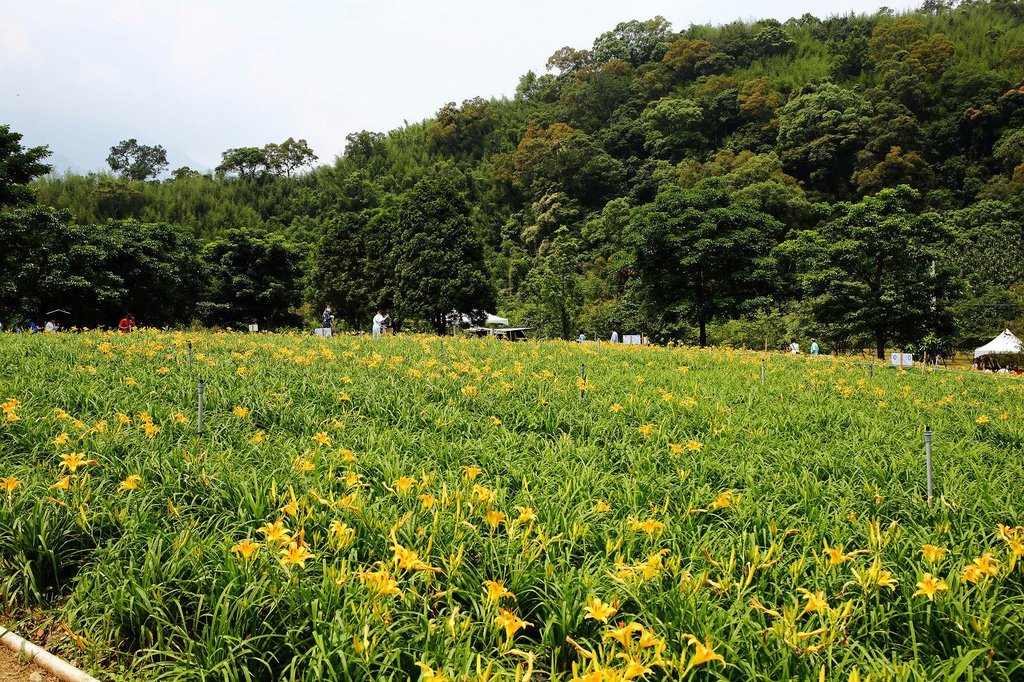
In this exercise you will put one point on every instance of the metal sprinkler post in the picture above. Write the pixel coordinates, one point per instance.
(762, 371)
(928, 460)
(583, 377)
(199, 418)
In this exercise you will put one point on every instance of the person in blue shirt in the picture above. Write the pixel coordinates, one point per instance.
(814, 347)
(615, 336)
(583, 337)
(33, 327)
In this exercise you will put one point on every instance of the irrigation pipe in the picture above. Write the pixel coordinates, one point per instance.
(42, 658)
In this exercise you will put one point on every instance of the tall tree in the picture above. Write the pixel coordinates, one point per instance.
(247, 162)
(869, 270)
(18, 167)
(256, 277)
(137, 161)
(553, 289)
(703, 253)
(635, 42)
(289, 156)
(340, 274)
(440, 258)
(28, 236)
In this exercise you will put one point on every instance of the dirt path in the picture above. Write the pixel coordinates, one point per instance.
(13, 670)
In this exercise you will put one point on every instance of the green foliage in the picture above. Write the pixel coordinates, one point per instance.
(703, 253)
(341, 268)
(672, 127)
(254, 278)
(793, 119)
(438, 257)
(18, 167)
(636, 42)
(97, 272)
(136, 161)
(871, 269)
(820, 133)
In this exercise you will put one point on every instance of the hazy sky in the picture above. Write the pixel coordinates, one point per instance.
(200, 77)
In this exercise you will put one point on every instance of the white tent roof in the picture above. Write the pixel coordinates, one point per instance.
(1006, 342)
(494, 319)
(455, 317)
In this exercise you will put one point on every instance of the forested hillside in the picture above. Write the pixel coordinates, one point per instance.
(854, 178)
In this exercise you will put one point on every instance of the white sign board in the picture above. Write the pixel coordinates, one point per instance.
(633, 339)
(902, 360)
(254, 328)
(322, 331)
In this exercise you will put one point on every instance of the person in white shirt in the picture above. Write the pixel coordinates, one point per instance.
(794, 347)
(615, 336)
(378, 323)
(51, 327)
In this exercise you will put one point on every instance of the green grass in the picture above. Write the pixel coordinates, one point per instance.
(750, 482)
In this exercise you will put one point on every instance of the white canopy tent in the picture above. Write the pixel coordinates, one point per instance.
(457, 319)
(1005, 343)
(494, 319)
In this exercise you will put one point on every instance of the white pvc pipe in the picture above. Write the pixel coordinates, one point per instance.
(44, 659)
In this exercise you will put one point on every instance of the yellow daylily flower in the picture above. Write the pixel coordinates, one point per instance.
(494, 591)
(295, 554)
(598, 610)
(929, 585)
(246, 548)
(510, 622)
(703, 653)
(130, 483)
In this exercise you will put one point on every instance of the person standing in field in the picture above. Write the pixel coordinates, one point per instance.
(814, 348)
(794, 347)
(126, 324)
(327, 318)
(583, 337)
(615, 336)
(378, 323)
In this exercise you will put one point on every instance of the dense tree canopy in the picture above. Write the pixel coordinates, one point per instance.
(704, 253)
(710, 184)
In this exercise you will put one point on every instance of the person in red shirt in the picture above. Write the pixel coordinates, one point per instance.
(126, 324)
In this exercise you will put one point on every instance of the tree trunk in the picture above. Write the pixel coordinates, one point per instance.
(702, 339)
(880, 345)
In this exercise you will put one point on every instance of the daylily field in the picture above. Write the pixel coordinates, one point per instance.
(428, 509)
